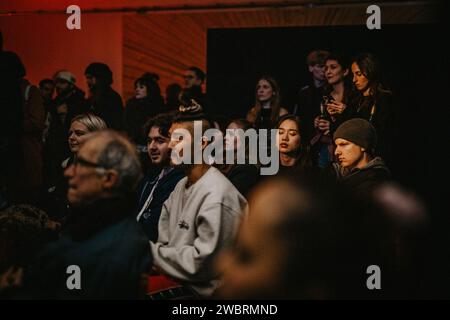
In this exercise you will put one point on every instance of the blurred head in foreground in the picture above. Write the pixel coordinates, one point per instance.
(314, 244)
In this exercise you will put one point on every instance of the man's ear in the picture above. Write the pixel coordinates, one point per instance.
(109, 179)
(346, 72)
(310, 68)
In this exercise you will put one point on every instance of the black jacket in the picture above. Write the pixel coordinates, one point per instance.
(150, 218)
(244, 177)
(75, 101)
(308, 107)
(382, 119)
(137, 112)
(107, 104)
(362, 181)
(108, 246)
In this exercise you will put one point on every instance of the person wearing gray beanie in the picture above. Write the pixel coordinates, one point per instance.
(359, 131)
(357, 166)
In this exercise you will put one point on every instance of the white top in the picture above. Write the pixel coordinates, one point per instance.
(195, 224)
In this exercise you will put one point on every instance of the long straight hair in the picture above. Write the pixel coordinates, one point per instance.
(275, 100)
(370, 67)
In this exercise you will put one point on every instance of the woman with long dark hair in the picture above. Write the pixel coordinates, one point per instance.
(243, 176)
(146, 103)
(373, 100)
(267, 107)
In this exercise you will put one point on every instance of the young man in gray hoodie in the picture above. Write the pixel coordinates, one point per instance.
(200, 217)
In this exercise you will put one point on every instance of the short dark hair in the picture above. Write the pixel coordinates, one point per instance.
(198, 72)
(43, 82)
(341, 58)
(317, 57)
(163, 121)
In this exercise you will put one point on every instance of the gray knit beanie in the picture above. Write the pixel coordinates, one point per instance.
(359, 131)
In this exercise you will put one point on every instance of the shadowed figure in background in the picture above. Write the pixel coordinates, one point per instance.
(105, 102)
(11, 122)
(194, 79)
(172, 92)
(146, 103)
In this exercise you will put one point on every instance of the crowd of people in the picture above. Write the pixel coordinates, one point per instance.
(88, 182)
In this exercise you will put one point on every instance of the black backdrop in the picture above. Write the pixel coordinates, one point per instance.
(416, 69)
(413, 59)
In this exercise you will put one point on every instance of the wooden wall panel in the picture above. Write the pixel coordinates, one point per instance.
(169, 43)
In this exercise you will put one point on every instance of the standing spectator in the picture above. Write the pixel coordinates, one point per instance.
(267, 107)
(374, 102)
(172, 92)
(11, 123)
(30, 178)
(335, 108)
(146, 104)
(310, 96)
(69, 103)
(47, 87)
(194, 79)
(105, 102)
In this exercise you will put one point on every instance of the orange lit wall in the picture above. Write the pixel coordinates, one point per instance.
(45, 45)
(165, 43)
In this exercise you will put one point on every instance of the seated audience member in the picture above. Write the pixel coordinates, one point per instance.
(81, 125)
(293, 154)
(242, 176)
(357, 166)
(154, 190)
(198, 219)
(102, 237)
(302, 241)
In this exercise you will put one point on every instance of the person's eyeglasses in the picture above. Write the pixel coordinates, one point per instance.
(83, 162)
